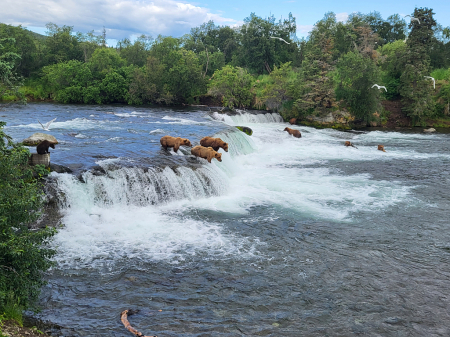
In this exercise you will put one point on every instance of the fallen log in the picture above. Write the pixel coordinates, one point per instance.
(124, 319)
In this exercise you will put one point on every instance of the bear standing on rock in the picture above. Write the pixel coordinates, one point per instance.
(215, 143)
(168, 141)
(207, 153)
(43, 146)
(293, 132)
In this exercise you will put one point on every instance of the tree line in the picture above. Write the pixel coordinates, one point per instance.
(333, 68)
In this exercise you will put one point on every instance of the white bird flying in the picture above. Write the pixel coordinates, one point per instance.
(47, 125)
(279, 38)
(413, 18)
(434, 81)
(379, 86)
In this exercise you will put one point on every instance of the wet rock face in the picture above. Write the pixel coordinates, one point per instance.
(37, 138)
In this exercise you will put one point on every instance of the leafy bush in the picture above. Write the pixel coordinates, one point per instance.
(441, 74)
(24, 254)
(234, 85)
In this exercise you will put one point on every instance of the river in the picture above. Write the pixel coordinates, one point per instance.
(284, 237)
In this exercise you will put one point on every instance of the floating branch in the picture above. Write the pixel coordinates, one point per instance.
(124, 319)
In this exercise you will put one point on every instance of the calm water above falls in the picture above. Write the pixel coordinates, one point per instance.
(284, 237)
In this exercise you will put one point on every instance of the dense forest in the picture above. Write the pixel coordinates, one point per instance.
(261, 64)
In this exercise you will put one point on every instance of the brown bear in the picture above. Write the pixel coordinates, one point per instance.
(207, 153)
(215, 143)
(168, 141)
(381, 148)
(293, 132)
(43, 146)
(347, 143)
(293, 121)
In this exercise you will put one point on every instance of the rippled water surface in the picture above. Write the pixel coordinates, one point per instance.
(284, 237)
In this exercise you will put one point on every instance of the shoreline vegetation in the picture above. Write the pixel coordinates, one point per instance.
(325, 80)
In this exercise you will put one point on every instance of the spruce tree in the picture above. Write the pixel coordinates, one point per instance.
(415, 88)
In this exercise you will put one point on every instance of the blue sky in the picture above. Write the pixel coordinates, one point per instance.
(130, 18)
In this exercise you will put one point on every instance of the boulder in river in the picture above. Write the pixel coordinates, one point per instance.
(245, 129)
(38, 137)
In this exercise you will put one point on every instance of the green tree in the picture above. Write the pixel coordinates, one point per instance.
(313, 91)
(137, 52)
(24, 254)
(9, 80)
(233, 85)
(24, 46)
(275, 90)
(416, 90)
(61, 45)
(260, 51)
(355, 76)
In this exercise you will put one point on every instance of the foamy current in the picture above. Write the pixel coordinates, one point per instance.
(284, 237)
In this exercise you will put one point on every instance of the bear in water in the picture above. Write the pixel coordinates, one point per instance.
(43, 146)
(207, 153)
(168, 141)
(215, 143)
(347, 143)
(293, 132)
(381, 148)
(293, 121)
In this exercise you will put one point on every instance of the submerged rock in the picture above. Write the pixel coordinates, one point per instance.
(37, 138)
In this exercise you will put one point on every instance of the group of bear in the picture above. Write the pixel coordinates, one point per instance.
(207, 149)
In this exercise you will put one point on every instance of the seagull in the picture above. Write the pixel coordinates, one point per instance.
(279, 38)
(379, 86)
(434, 81)
(413, 18)
(47, 125)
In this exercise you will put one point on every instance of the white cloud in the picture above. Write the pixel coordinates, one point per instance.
(121, 18)
(341, 17)
(303, 30)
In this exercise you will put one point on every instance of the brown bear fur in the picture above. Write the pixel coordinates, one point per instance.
(293, 121)
(207, 153)
(215, 143)
(347, 143)
(168, 141)
(381, 148)
(43, 146)
(293, 132)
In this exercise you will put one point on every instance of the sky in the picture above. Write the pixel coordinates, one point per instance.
(131, 18)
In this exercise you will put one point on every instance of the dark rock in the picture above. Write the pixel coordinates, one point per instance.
(59, 168)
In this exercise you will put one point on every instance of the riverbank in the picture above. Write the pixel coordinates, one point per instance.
(11, 328)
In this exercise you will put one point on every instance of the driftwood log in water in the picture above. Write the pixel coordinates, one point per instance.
(124, 319)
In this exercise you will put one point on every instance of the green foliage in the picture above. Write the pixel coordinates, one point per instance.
(61, 45)
(137, 52)
(441, 74)
(24, 254)
(416, 90)
(260, 52)
(23, 46)
(273, 88)
(355, 75)
(9, 80)
(313, 90)
(233, 84)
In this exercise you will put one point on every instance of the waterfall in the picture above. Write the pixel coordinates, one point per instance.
(242, 117)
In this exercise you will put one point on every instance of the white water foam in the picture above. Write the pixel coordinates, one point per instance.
(143, 214)
(77, 124)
